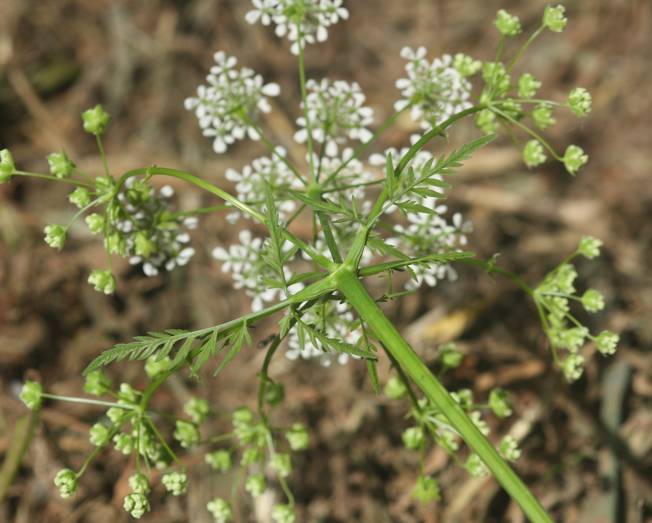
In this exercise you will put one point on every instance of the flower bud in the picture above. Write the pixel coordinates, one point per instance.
(175, 482)
(66, 482)
(80, 197)
(60, 165)
(508, 448)
(592, 300)
(475, 466)
(55, 236)
(466, 65)
(102, 280)
(579, 101)
(450, 356)
(499, 403)
(95, 120)
(395, 388)
(426, 490)
(533, 154)
(99, 435)
(7, 165)
(298, 437)
(255, 485)
(542, 116)
(528, 85)
(95, 223)
(124, 443)
(219, 460)
(572, 366)
(220, 509)
(412, 438)
(589, 247)
(554, 19)
(97, 383)
(282, 464)
(186, 434)
(507, 25)
(197, 409)
(155, 365)
(283, 514)
(136, 504)
(607, 342)
(139, 483)
(574, 158)
(32, 395)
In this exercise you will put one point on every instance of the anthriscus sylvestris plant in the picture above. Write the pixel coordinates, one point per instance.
(372, 215)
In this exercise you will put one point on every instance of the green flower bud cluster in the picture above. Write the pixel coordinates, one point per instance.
(136, 503)
(176, 483)
(554, 296)
(507, 25)
(220, 510)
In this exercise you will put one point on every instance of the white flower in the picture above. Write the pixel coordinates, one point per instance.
(250, 184)
(302, 21)
(229, 103)
(434, 91)
(336, 113)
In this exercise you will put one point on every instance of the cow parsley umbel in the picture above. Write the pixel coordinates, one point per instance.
(315, 223)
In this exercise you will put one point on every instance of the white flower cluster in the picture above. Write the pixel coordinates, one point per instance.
(227, 106)
(248, 270)
(434, 90)
(142, 227)
(302, 21)
(251, 181)
(334, 320)
(350, 179)
(336, 113)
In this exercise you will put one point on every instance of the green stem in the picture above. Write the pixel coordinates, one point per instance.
(351, 287)
(78, 183)
(304, 101)
(105, 163)
(88, 401)
(524, 47)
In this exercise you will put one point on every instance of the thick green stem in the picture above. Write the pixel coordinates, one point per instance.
(349, 285)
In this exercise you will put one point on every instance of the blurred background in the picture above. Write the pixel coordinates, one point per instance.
(586, 446)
